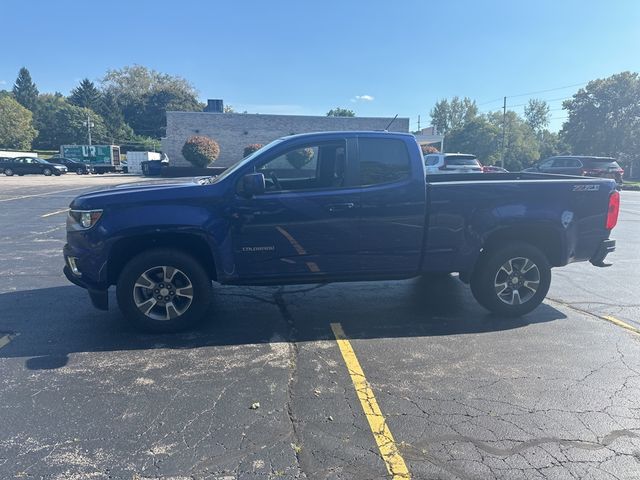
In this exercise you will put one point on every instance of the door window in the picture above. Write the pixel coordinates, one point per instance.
(547, 164)
(383, 160)
(318, 166)
(572, 163)
(431, 160)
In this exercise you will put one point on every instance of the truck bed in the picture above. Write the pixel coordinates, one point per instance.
(566, 212)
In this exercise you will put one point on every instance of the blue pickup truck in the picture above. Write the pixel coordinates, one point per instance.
(333, 207)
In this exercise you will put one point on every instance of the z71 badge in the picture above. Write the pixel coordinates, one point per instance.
(586, 188)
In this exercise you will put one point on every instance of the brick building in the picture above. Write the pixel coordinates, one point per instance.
(234, 131)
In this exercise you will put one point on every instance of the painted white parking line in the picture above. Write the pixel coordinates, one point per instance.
(43, 194)
(5, 339)
(64, 210)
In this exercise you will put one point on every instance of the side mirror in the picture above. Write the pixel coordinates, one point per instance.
(253, 184)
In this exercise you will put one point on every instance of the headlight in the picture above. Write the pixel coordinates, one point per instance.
(82, 219)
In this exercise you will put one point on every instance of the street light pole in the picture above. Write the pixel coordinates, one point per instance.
(504, 127)
(88, 124)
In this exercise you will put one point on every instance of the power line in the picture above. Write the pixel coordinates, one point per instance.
(534, 93)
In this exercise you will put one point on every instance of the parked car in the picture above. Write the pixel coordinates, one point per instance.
(333, 206)
(587, 166)
(72, 165)
(493, 169)
(451, 163)
(28, 165)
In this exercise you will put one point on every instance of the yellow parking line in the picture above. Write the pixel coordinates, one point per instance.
(386, 444)
(608, 318)
(622, 324)
(54, 213)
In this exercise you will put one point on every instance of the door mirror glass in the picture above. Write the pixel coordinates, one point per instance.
(253, 184)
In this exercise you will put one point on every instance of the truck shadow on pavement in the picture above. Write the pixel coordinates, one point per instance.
(47, 325)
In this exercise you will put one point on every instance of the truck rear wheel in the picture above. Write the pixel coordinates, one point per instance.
(163, 290)
(511, 280)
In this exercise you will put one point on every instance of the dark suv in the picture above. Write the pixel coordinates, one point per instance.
(72, 165)
(580, 165)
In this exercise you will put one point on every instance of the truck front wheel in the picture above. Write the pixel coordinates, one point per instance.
(511, 280)
(163, 290)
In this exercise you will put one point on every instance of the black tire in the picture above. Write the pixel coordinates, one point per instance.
(490, 276)
(8, 172)
(47, 172)
(80, 171)
(130, 296)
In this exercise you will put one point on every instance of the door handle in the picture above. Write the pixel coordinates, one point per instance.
(338, 207)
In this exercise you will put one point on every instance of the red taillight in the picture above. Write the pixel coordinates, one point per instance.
(614, 208)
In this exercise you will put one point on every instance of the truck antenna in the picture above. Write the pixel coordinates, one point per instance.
(392, 120)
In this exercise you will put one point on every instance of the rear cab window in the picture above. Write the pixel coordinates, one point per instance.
(383, 160)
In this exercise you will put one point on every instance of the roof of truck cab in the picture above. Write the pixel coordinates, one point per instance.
(349, 133)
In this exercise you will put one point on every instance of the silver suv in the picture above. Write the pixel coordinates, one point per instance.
(451, 163)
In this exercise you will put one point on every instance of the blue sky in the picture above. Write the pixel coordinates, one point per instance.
(378, 58)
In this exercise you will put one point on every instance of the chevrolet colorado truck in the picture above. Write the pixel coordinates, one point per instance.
(333, 207)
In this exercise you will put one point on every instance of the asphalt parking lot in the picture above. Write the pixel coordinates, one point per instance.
(338, 381)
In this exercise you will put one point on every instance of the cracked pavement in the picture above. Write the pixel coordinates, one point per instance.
(465, 394)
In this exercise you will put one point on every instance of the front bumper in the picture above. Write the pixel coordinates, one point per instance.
(604, 249)
(99, 295)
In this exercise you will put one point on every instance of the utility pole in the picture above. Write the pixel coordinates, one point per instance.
(418, 122)
(504, 126)
(88, 124)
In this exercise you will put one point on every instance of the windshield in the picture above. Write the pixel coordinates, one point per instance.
(602, 163)
(244, 161)
(461, 160)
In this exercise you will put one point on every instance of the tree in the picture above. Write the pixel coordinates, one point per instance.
(551, 144)
(249, 149)
(521, 143)
(536, 114)
(479, 137)
(482, 136)
(200, 151)
(117, 129)
(228, 109)
(604, 117)
(341, 112)
(86, 95)
(449, 115)
(150, 118)
(24, 90)
(16, 129)
(60, 123)
(143, 96)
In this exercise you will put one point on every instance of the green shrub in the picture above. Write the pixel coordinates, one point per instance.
(200, 151)
(300, 158)
(249, 149)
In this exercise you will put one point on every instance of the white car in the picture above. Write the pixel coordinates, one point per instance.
(451, 163)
